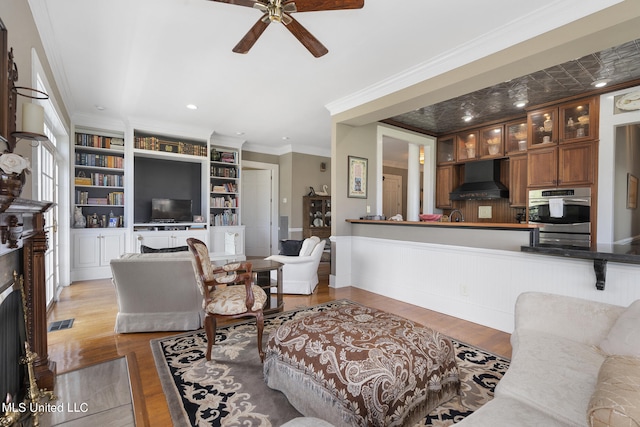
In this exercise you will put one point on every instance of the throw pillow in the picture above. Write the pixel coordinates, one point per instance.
(616, 399)
(290, 247)
(149, 250)
(624, 336)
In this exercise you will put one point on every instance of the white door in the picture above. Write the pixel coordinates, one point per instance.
(391, 195)
(256, 211)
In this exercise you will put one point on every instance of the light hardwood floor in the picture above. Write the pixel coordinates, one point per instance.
(91, 340)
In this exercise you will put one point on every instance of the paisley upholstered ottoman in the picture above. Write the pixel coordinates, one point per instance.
(358, 366)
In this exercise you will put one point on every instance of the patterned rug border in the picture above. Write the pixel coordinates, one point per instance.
(172, 395)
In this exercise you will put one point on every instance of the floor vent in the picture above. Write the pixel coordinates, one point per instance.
(60, 325)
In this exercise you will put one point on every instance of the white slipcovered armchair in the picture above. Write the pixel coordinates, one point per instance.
(300, 273)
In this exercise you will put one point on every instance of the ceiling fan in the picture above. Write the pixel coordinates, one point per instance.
(280, 11)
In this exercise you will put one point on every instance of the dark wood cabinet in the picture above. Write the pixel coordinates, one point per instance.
(565, 165)
(518, 181)
(446, 183)
(316, 216)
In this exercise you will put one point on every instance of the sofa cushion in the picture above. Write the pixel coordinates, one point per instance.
(616, 399)
(624, 336)
(554, 375)
(149, 250)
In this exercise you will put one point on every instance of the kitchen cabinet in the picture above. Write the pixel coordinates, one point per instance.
(565, 165)
(491, 144)
(316, 212)
(518, 181)
(569, 122)
(446, 183)
(542, 128)
(467, 146)
(446, 150)
(516, 137)
(93, 250)
(579, 120)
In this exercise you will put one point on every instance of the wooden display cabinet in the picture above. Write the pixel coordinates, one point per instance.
(316, 221)
(516, 137)
(467, 146)
(543, 127)
(446, 150)
(491, 143)
(578, 120)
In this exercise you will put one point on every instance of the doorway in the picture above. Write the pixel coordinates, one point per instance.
(259, 208)
(392, 195)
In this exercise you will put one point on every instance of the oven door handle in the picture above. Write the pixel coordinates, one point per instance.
(585, 201)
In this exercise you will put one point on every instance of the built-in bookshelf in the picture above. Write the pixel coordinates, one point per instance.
(166, 144)
(99, 173)
(224, 177)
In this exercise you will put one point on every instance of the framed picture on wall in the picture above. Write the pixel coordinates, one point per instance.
(632, 191)
(357, 177)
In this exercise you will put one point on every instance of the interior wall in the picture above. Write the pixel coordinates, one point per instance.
(306, 173)
(348, 141)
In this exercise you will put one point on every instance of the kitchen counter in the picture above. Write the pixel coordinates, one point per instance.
(629, 254)
(504, 236)
(463, 224)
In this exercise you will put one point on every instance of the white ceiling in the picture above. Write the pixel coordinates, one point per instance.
(145, 60)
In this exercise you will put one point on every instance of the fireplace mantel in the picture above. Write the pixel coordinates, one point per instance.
(32, 240)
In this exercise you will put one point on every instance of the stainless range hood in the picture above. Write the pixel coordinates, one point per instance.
(481, 182)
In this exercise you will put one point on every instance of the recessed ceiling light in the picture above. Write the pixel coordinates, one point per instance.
(467, 118)
(192, 106)
(601, 82)
(520, 103)
(285, 137)
(239, 133)
(99, 107)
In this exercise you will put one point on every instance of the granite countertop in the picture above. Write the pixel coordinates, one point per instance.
(629, 253)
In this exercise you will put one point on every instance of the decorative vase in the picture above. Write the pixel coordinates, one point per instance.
(11, 183)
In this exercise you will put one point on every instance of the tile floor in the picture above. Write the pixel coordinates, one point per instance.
(98, 395)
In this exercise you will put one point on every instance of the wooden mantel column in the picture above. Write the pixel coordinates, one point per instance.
(34, 249)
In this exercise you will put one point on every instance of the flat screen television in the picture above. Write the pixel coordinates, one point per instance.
(171, 210)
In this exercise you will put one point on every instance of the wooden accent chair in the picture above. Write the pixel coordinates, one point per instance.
(224, 296)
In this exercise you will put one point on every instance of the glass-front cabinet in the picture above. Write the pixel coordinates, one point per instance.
(578, 120)
(446, 149)
(467, 145)
(516, 137)
(317, 216)
(543, 127)
(491, 142)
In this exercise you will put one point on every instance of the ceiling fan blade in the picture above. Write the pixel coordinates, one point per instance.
(251, 37)
(317, 5)
(312, 44)
(247, 3)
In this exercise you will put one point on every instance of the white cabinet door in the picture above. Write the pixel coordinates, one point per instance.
(93, 250)
(154, 239)
(111, 246)
(86, 250)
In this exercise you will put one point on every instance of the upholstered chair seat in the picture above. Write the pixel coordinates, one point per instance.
(227, 291)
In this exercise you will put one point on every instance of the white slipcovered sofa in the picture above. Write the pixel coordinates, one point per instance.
(300, 273)
(575, 363)
(156, 292)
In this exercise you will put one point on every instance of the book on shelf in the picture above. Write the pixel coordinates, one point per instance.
(153, 143)
(224, 202)
(100, 160)
(227, 187)
(98, 141)
(225, 218)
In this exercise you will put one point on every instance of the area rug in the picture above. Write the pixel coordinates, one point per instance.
(230, 389)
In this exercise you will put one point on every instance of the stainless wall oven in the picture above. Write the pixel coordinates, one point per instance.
(564, 216)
